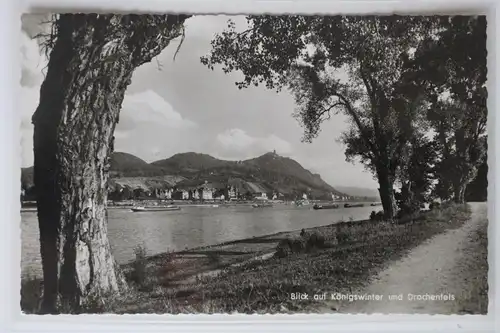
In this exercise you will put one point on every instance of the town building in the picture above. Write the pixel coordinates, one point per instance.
(207, 193)
(260, 196)
(336, 197)
(233, 193)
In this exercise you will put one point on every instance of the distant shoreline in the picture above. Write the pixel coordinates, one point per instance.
(226, 204)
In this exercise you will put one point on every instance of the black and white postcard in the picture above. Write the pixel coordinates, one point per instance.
(253, 164)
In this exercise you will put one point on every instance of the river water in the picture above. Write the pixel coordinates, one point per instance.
(190, 227)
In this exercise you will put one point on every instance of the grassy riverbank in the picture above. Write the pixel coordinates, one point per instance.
(224, 278)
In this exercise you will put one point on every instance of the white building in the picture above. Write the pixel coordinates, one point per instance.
(185, 195)
(261, 196)
(196, 195)
(233, 193)
(207, 194)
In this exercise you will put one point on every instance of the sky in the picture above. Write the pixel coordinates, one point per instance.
(182, 106)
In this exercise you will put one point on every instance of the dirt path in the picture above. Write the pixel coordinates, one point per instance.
(445, 266)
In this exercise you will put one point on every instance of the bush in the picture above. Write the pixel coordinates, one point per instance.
(297, 245)
(304, 234)
(288, 246)
(315, 240)
(283, 249)
(407, 218)
(306, 242)
(139, 274)
(408, 209)
(434, 205)
(343, 236)
(377, 216)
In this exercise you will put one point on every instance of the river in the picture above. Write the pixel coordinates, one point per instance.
(190, 227)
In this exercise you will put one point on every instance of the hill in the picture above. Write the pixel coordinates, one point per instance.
(269, 172)
(190, 162)
(121, 165)
(272, 162)
(128, 165)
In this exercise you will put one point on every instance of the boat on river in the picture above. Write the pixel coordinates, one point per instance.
(262, 205)
(139, 209)
(347, 205)
(328, 206)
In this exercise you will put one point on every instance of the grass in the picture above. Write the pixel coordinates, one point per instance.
(350, 254)
(267, 286)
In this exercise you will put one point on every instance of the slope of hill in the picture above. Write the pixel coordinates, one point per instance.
(128, 165)
(269, 171)
(280, 174)
(144, 183)
(287, 166)
(190, 162)
(121, 165)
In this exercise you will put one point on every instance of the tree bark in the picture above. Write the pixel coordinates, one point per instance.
(459, 192)
(386, 191)
(464, 174)
(90, 67)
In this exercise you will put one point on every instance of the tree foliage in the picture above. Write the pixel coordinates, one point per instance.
(331, 64)
(451, 66)
(417, 175)
(477, 190)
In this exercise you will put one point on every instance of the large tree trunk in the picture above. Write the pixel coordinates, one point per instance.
(459, 187)
(461, 178)
(90, 67)
(386, 191)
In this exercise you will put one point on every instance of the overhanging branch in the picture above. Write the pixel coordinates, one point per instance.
(359, 124)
